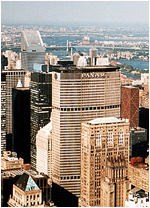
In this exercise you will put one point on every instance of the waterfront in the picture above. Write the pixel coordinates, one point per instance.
(136, 63)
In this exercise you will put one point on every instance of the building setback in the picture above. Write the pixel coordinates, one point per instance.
(104, 162)
(32, 49)
(78, 94)
(130, 104)
(41, 107)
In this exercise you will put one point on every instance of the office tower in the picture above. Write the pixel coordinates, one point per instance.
(12, 77)
(93, 55)
(78, 94)
(104, 161)
(130, 104)
(21, 121)
(137, 136)
(44, 150)
(32, 49)
(3, 112)
(41, 106)
(39, 67)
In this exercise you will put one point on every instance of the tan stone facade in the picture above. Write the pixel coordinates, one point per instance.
(10, 161)
(21, 198)
(104, 146)
(79, 96)
(139, 176)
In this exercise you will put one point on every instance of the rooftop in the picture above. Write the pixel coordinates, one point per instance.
(74, 69)
(105, 120)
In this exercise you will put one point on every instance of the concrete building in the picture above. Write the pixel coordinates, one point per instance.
(10, 161)
(10, 177)
(102, 62)
(3, 112)
(137, 135)
(137, 198)
(41, 107)
(82, 61)
(25, 193)
(139, 173)
(93, 55)
(39, 67)
(12, 77)
(44, 150)
(32, 49)
(104, 162)
(78, 94)
(130, 104)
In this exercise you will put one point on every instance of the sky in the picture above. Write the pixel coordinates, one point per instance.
(46, 12)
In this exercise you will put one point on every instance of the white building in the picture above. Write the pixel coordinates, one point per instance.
(44, 149)
(102, 62)
(137, 198)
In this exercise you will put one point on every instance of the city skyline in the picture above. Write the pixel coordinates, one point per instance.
(83, 12)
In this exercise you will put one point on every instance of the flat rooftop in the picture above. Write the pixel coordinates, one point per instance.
(105, 120)
(74, 69)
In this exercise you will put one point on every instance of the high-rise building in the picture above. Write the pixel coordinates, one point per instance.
(12, 77)
(137, 135)
(44, 150)
(3, 112)
(93, 55)
(32, 49)
(41, 107)
(21, 121)
(130, 104)
(78, 94)
(104, 162)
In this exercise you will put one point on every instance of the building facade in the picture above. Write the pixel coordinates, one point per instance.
(104, 162)
(32, 49)
(130, 104)
(21, 122)
(78, 94)
(137, 135)
(41, 107)
(12, 77)
(25, 193)
(10, 161)
(3, 112)
(44, 150)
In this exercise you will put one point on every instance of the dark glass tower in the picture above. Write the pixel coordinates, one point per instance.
(41, 107)
(21, 122)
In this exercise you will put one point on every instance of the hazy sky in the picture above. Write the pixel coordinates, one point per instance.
(45, 12)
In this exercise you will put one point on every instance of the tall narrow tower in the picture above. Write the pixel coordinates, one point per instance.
(41, 98)
(32, 49)
(78, 94)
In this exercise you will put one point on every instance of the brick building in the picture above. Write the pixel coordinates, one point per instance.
(130, 104)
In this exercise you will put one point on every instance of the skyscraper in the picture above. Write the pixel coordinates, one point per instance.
(130, 104)
(41, 107)
(104, 162)
(78, 94)
(12, 77)
(32, 49)
(21, 122)
(3, 112)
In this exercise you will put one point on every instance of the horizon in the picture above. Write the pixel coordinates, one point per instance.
(74, 12)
